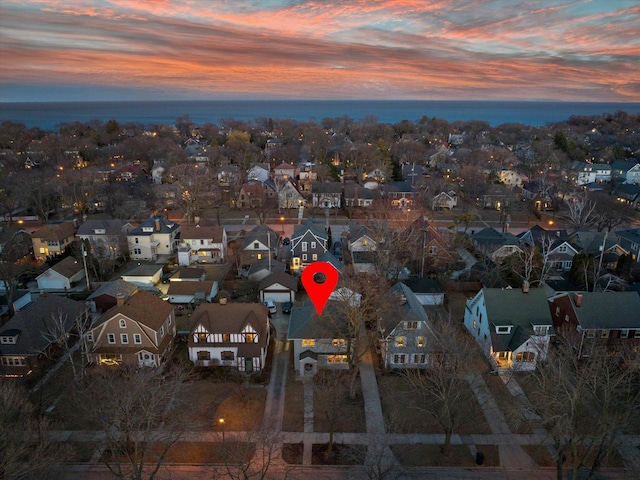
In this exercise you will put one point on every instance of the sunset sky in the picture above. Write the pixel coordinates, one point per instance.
(61, 50)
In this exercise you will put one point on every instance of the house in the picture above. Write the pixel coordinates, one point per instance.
(511, 178)
(399, 194)
(582, 173)
(261, 269)
(356, 195)
(308, 242)
(15, 243)
(406, 338)
(620, 170)
(19, 299)
(413, 174)
(289, 196)
(497, 197)
(107, 238)
(319, 342)
(628, 194)
(599, 244)
(228, 175)
(63, 276)
(597, 319)
(603, 173)
(285, 171)
(428, 291)
(540, 193)
(155, 236)
(512, 326)
(362, 249)
(561, 253)
(279, 287)
(202, 244)
(538, 236)
(106, 296)
(435, 249)
(259, 172)
(230, 334)
(249, 196)
(261, 242)
(633, 175)
(326, 194)
(32, 334)
(495, 244)
(145, 276)
(306, 176)
(192, 292)
(137, 331)
(443, 200)
(52, 239)
(630, 241)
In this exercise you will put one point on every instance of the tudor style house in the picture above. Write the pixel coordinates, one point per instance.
(230, 334)
(308, 243)
(155, 236)
(202, 244)
(32, 333)
(597, 319)
(405, 338)
(512, 326)
(137, 331)
(51, 240)
(319, 342)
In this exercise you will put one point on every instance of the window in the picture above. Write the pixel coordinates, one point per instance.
(399, 358)
(557, 311)
(562, 249)
(8, 340)
(256, 245)
(308, 342)
(420, 341)
(475, 324)
(336, 359)
(419, 358)
(14, 361)
(249, 337)
(304, 246)
(338, 342)
(637, 334)
(400, 342)
(90, 337)
(124, 338)
(314, 257)
(111, 338)
(226, 355)
(201, 337)
(137, 240)
(433, 250)
(604, 334)
(313, 245)
(540, 330)
(162, 331)
(503, 329)
(137, 251)
(304, 256)
(204, 355)
(137, 338)
(169, 323)
(591, 334)
(624, 333)
(412, 325)
(566, 318)
(123, 323)
(525, 357)
(226, 337)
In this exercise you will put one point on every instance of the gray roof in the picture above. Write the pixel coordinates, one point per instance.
(424, 285)
(165, 226)
(143, 271)
(111, 227)
(282, 278)
(305, 323)
(115, 288)
(68, 267)
(261, 234)
(309, 225)
(331, 258)
(326, 187)
(608, 310)
(37, 318)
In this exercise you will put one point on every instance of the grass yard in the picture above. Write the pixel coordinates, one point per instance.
(293, 418)
(431, 456)
(292, 453)
(509, 405)
(403, 416)
(333, 409)
(340, 455)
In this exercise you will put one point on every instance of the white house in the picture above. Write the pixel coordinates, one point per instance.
(512, 326)
(64, 275)
(202, 244)
(230, 334)
(155, 236)
(279, 287)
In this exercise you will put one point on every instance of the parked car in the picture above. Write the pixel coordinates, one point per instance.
(271, 305)
(286, 307)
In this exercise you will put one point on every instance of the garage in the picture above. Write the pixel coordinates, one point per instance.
(279, 287)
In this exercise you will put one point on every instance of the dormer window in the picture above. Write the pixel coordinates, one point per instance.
(504, 329)
(147, 229)
(540, 329)
(123, 323)
(99, 231)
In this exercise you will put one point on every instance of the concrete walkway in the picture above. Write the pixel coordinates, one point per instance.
(469, 261)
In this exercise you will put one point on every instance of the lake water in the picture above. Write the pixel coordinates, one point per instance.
(50, 115)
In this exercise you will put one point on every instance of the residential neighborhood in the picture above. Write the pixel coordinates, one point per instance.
(476, 267)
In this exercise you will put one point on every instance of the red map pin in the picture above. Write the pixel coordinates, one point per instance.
(319, 279)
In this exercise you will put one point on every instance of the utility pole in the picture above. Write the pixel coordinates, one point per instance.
(84, 262)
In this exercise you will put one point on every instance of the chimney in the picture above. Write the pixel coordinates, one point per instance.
(157, 224)
(525, 287)
(577, 299)
(120, 299)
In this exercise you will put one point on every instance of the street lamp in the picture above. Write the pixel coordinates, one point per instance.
(221, 423)
(282, 224)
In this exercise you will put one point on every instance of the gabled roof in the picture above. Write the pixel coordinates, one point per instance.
(409, 305)
(331, 258)
(354, 190)
(198, 232)
(282, 278)
(261, 233)
(591, 241)
(266, 264)
(35, 319)
(190, 288)
(491, 236)
(631, 235)
(155, 225)
(424, 285)
(311, 226)
(607, 310)
(143, 307)
(326, 187)
(55, 233)
(188, 273)
(106, 227)
(68, 267)
(231, 318)
(115, 288)
(143, 271)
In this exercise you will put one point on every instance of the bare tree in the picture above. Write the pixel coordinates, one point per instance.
(27, 451)
(569, 390)
(133, 407)
(198, 188)
(579, 211)
(443, 390)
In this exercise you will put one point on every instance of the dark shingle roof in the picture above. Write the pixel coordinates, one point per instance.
(143, 307)
(305, 323)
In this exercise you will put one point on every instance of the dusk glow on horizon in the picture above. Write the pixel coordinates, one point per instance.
(580, 50)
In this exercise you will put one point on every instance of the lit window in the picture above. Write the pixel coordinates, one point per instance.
(226, 355)
(400, 342)
(226, 337)
(421, 341)
(308, 342)
(202, 355)
(525, 357)
(338, 342)
(475, 324)
(249, 337)
(315, 257)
